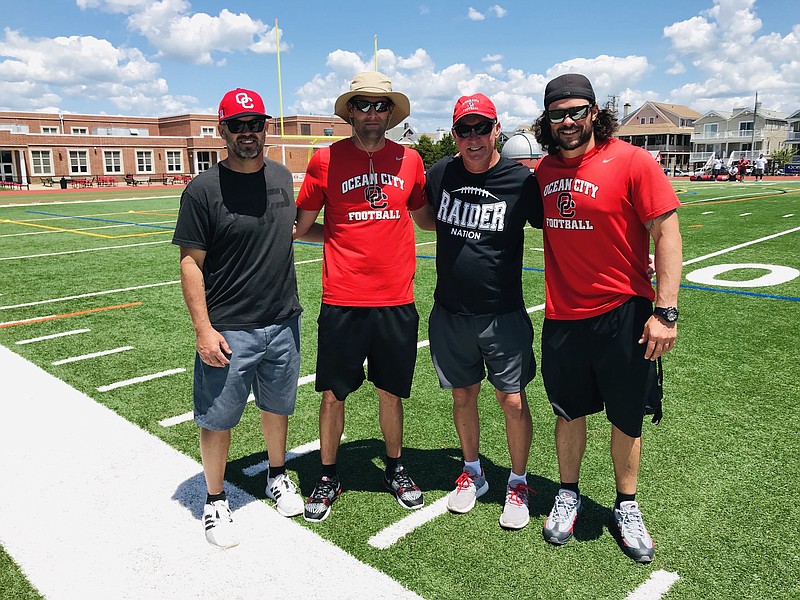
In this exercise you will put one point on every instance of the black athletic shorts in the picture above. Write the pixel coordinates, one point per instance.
(594, 363)
(385, 336)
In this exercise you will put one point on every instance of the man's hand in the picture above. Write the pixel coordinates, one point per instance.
(658, 337)
(213, 348)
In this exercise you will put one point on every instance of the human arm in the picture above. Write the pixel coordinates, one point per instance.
(306, 227)
(211, 346)
(424, 218)
(658, 336)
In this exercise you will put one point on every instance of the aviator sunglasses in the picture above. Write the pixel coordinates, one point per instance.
(576, 113)
(237, 126)
(379, 106)
(480, 128)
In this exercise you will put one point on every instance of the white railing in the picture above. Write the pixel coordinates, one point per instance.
(741, 134)
(696, 157)
(793, 136)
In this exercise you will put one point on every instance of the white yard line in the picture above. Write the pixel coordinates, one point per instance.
(386, 538)
(52, 336)
(73, 359)
(297, 452)
(142, 379)
(45, 255)
(739, 246)
(135, 531)
(655, 587)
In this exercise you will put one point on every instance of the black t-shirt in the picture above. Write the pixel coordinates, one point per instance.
(479, 234)
(244, 223)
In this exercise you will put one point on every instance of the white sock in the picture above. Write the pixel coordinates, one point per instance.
(474, 466)
(514, 479)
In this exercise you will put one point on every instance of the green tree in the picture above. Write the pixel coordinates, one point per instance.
(427, 150)
(781, 156)
(447, 146)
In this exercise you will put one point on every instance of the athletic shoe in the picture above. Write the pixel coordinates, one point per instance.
(318, 505)
(561, 520)
(515, 512)
(404, 489)
(220, 530)
(631, 532)
(469, 487)
(283, 491)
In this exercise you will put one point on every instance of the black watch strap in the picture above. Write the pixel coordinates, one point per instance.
(668, 313)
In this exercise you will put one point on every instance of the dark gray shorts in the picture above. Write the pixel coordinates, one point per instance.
(266, 360)
(465, 347)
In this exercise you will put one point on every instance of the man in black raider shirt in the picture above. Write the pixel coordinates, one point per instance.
(480, 203)
(237, 272)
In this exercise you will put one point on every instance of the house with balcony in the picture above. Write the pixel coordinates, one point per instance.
(740, 133)
(793, 132)
(665, 130)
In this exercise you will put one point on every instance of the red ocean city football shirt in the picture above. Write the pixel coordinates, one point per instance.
(369, 256)
(595, 242)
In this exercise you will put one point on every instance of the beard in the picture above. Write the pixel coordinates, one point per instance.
(572, 143)
(248, 151)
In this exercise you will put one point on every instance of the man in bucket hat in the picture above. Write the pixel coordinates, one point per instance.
(369, 187)
(234, 230)
(603, 201)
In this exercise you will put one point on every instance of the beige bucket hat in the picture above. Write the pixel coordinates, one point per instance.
(372, 83)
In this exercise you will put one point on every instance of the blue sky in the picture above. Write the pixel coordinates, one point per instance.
(141, 57)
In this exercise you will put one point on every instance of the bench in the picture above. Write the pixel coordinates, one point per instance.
(14, 185)
(106, 181)
(47, 181)
(131, 180)
(82, 182)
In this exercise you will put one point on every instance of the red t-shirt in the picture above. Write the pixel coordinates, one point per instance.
(595, 243)
(369, 256)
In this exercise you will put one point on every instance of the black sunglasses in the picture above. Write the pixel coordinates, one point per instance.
(237, 126)
(576, 113)
(480, 128)
(379, 106)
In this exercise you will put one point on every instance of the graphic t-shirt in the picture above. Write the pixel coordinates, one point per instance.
(596, 247)
(479, 234)
(369, 256)
(244, 223)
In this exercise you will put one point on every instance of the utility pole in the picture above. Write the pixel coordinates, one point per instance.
(611, 104)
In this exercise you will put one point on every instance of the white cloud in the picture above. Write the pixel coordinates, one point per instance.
(424, 10)
(498, 11)
(677, 69)
(492, 58)
(474, 15)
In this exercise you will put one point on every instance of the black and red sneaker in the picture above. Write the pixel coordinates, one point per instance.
(319, 502)
(404, 489)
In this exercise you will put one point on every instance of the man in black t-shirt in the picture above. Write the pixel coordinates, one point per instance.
(237, 272)
(480, 203)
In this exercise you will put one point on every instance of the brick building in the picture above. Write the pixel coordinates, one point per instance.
(38, 147)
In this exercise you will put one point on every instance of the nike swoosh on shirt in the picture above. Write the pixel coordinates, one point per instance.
(605, 160)
(399, 157)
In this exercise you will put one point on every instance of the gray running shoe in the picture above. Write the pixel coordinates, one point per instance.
(218, 523)
(631, 532)
(515, 512)
(561, 520)
(469, 487)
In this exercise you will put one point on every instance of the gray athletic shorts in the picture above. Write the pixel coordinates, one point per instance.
(266, 360)
(465, 347)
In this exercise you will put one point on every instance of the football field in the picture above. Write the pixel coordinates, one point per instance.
(90, 294)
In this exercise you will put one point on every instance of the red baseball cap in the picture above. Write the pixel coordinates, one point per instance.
(241, 103)
(477, 104)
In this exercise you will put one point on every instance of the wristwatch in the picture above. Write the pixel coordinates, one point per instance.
(669, 313)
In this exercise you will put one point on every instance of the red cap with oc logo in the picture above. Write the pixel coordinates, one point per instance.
(241, 103)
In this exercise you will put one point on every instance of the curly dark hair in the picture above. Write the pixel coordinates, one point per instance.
(604, 127)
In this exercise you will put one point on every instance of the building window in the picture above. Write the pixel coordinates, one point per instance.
(174, 161)
(305, 128)
(746, 129)
(207, 131)
(80, 131)
(112, 161)
(144, 161)
(78, 162)
(42, 162)
(652, 120)
(642, 120)
(50, 130)
(709, 128)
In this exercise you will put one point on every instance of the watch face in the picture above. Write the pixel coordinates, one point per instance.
(669, 314)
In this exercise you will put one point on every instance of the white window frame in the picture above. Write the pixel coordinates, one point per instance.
(50, 129)
(38, 159)
(144, 159)
(78, 158)
(112, 154)
(208, 131)
(172, 165)
(79, 130)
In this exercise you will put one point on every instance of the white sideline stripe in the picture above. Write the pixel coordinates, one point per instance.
(534, 309)
(107, 546)
(84, 250)
(89, 295)
(51, 337)
(708, 212)
(789, 215)
(387, 537)
(739, 246)
(745, 214)
(655, 587)
(73, 359)
(297, 452)
(135, 380)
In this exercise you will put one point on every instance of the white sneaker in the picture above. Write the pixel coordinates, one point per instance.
(469, 487)
(283, 491)
(515, 512)
(220, 530)
(559, 525)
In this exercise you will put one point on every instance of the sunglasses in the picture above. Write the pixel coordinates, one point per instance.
(379, 106)
(480, 128)
(237, 126)
(576, 113)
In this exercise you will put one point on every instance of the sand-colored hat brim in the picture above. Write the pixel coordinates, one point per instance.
(372, 83)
